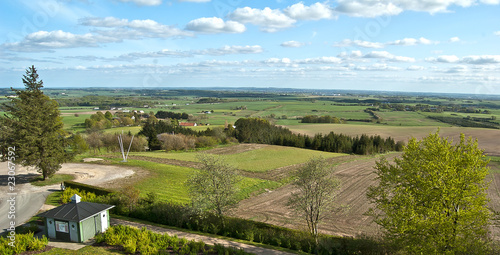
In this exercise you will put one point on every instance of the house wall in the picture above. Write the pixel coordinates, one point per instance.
(104, 215)
(51, 227)
(87, 229)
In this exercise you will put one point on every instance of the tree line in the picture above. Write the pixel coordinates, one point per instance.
(255, 130)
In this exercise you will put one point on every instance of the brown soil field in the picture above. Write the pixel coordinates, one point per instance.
(356, 176)
(488, 139)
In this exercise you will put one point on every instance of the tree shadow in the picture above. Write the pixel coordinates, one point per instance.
(19, 178)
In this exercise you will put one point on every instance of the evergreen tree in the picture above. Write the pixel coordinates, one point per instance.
(35, 127)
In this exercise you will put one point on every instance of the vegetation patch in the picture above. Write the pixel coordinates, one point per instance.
(258, 160)
(55, 179)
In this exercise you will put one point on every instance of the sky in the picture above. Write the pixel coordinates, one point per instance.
(450, 46)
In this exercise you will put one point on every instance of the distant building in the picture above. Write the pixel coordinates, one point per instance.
(187, 124)
(76, 221)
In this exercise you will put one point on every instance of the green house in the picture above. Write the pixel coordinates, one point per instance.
(76, 221)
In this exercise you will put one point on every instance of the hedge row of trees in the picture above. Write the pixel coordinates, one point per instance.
(321, 119)
(255, 130)
(171, 115)
(466, 122)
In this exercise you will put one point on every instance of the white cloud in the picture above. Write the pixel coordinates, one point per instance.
(269, 20)
(457, 69)
(135, 29)
(412, 41)
(454, 39)
(415, 68)
(497, 33)
(367, 8)
(292, 44)
(226, 50)
(388, 56)
(47, 41)
(320, 60)
(359, 43)
(143, 2)
(370, 8)
(315, 11)
(195, 1)
(482, 59)
(215, 25)
(444, 59)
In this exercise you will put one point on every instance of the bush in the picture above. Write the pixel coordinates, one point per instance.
(23, 242)
(88, 188)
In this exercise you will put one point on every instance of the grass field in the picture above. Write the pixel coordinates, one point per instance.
(169, 181)
(258, 160)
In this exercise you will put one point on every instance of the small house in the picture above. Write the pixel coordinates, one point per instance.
(76, 221)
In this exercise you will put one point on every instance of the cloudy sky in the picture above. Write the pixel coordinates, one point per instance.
(396, 45)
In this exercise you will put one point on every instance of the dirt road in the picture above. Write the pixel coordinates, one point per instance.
(26, 200)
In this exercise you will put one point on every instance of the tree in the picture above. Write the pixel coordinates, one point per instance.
(213, 187)
(317, 189)
(36, 127)
(432, 200)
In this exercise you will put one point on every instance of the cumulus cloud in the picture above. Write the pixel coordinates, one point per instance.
(412, 41)
(134, 29)
(370, 8)
(215, 25)
(315, 11)
(388, 56)
(415, 68)
(444, 59)
(47, 41)
(454, 39)
(268, 19)
(227, 50)
(292, 44)
(482, 59)
(358, 43)
(319, 60)
(143, 2)
(497, 33)
(367, 8)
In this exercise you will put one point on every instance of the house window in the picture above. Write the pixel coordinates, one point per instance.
(62, 226)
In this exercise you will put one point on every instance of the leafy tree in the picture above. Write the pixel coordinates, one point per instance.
(316, 192)
(432, 200)
(36, 128)
(213, 187)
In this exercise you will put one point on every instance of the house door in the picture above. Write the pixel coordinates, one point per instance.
(62, 230)
(97, 223)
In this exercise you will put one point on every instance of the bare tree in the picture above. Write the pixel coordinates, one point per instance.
(317, 189)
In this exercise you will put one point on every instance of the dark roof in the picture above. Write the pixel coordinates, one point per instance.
(75, 211)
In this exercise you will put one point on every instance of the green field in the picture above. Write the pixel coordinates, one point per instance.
(258, 160)
(169, 181)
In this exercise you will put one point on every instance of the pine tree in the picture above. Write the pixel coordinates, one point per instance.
(35, 127)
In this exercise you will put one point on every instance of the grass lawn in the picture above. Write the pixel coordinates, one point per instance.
(169, 182)
(133, 129)
(56, 179)
(259, 160)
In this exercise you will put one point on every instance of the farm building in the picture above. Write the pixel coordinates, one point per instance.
(187, 124)
(76, 221)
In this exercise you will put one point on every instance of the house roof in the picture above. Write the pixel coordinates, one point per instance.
(75, 211)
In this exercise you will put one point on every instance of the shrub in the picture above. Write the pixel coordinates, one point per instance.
(88, 188)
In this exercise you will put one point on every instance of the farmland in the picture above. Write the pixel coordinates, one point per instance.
(267, 170)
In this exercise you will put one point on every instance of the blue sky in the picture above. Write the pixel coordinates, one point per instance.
(395, 45)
